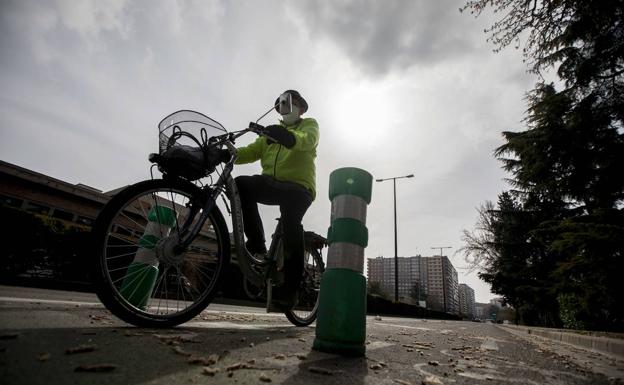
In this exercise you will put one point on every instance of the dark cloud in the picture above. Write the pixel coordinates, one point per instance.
(382, 36)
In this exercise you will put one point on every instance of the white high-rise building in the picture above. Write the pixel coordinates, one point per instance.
(467, 301)
(442, 285)
(412, 277)
(428, 281)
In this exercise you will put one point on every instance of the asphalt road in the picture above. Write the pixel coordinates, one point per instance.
(52, 337)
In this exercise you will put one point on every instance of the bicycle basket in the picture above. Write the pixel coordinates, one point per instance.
(183, 144)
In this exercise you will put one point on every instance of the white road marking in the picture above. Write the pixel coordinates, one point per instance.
(54, 301)
(231, 325)
(378, 345)
(402, 326)
(99, 304)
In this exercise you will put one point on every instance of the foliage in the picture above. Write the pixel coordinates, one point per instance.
(374, 288)
(553, 246)
(415, 293)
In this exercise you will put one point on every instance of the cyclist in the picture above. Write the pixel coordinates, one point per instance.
(287, 152)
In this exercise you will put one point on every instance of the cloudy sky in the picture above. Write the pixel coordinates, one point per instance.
(398, 87)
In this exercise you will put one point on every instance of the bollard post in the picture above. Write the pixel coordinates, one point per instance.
(341, 322)
(140, 278)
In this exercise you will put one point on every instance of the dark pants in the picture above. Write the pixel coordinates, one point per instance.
(293, 201)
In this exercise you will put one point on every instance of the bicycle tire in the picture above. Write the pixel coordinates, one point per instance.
(301, 315)
(127, 211)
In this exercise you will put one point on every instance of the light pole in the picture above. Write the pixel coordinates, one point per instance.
(396, 258)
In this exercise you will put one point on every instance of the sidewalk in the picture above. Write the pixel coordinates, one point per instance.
(607, 344)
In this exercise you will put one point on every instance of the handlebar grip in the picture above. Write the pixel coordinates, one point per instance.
(255, 127)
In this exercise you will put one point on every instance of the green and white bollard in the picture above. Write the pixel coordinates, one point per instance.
(341, 322)
(140, 278)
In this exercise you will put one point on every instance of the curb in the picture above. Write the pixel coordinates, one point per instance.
(604, 345)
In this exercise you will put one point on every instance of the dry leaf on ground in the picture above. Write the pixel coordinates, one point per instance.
(80, 349)
(98, 368)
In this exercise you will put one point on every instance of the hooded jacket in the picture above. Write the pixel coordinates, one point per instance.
(294, 164)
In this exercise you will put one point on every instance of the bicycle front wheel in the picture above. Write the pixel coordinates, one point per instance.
(143, 275)
(304, 313)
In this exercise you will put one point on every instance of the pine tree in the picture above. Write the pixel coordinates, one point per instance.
(567, 167)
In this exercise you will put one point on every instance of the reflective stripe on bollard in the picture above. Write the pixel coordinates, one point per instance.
(140, 278)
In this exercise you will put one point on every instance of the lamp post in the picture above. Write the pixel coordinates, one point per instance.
(396, 258)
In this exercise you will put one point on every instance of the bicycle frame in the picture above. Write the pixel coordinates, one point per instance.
(226, 184)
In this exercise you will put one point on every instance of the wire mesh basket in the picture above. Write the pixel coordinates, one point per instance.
(198, 127)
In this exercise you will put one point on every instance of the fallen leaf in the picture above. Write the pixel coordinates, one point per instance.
(316, 369)
(238, 365)
(44, 357)
(432, 380)
(211, 371)
(99, 368)
(9, 336)
(180, 351)
(80, 349)
(376, 366)
(205, 361)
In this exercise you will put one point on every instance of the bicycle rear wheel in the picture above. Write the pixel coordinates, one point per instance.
(142, 276)
(304, 313)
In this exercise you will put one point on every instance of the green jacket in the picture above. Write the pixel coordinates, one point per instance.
(292, 165)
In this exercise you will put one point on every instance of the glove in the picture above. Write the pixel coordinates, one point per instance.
(279, 134)
(224, 156)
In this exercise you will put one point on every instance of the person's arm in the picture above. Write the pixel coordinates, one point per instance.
(307, 136)
(250, 153)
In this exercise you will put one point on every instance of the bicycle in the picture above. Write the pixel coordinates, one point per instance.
(162, 245)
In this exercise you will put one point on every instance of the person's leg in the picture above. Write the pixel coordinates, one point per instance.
(248, 189)
(293, 211)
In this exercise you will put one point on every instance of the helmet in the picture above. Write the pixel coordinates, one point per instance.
(297, 97)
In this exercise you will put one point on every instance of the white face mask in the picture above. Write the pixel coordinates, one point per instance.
(292, 116)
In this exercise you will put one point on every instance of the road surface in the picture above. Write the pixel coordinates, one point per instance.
(54, 337)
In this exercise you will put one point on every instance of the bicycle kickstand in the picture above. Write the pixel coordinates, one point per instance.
(269, 289)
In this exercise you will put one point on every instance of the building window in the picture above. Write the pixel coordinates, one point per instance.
(10, 201)
(62, 214)
(36, 208)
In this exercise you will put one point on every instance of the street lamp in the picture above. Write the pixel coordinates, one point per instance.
(396, 258)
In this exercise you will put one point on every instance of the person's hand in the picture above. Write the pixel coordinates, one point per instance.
(279, 134)
(224, 155)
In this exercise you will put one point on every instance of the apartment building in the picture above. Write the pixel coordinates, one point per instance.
(467, 301)
(412, 277)
(442, 285)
